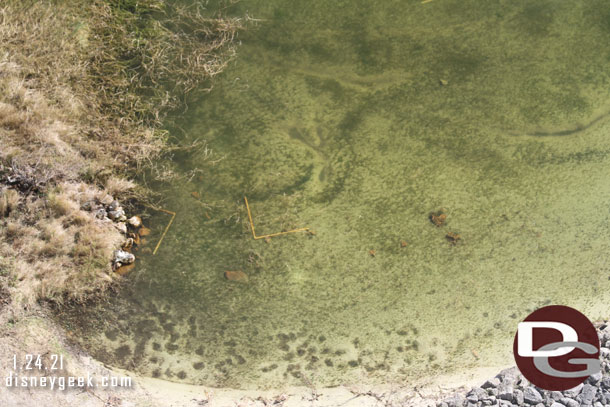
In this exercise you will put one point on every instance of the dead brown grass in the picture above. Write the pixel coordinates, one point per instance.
(54, 247)
(84, 86)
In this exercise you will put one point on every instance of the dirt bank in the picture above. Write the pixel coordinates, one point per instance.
(84, 87)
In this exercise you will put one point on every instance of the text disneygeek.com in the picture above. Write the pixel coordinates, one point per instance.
(25, 371)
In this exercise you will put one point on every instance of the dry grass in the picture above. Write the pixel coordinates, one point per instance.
(9, 199)
(56, 248)
(84, 86)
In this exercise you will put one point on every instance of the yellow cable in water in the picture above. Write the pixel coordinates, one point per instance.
(272, 234)
(166, 228)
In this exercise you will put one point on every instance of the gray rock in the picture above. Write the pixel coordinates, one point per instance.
(505, 391)
(476, 394)
(604, 352)
(556, 404)
(574, 391)
(522, 381)
(123, 257)
(119, 215)
(532, 396)
(505, 403)
(604, 397)
(492, 391)
(587, 394)
(568, 402)
(456, 400)
(595, 378)
(508, 376)
(556, 395)
(100, 213)
(490, 401)
(491, 383)
(518, 397)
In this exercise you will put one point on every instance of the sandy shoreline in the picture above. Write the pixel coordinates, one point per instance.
(425, 392)
(38, 335)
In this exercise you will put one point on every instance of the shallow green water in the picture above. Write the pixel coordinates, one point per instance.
(334, 117)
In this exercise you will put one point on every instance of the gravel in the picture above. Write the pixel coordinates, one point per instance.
(509, 388)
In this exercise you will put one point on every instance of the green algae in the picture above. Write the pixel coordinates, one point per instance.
(334, 118)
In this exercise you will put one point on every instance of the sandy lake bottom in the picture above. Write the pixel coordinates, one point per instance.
(359, 120)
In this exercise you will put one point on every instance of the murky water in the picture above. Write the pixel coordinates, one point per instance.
(359, 119)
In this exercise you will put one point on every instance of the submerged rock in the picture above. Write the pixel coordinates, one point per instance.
(438, 218)
(125, 269)
(144, 231)
(453, 238)
(135, 221)
(128, 243)
(239, 276)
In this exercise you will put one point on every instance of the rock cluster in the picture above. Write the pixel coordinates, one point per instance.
(509, 388)
(106, 208)
(109, 210)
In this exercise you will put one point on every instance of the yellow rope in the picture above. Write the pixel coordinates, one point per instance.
(166, 228)
(272, 234)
